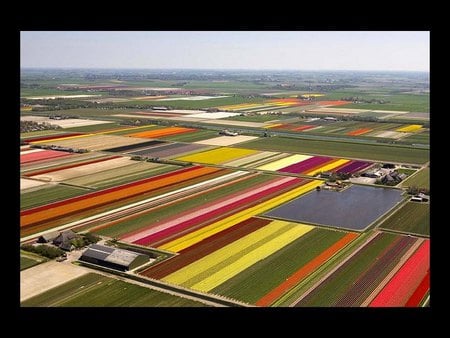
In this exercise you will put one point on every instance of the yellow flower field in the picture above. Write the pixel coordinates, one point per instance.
(218, 156)
(284, 162)
(283, 103)
(327, 167)
(196, 236)
(410, 128)
(185, 274)
(274, 125)
(219, 266)
(313, 95)
(244, 262)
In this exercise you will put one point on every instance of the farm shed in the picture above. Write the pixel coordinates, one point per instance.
(113, 258)
(48, 237)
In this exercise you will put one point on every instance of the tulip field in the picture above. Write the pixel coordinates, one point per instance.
(287, 163)
(270, 197)
(224, 237)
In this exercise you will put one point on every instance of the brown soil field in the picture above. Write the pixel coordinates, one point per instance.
(226, 140)
(134, 167)
(98, 142)
(89, 169)
(26, 183)
(45, 276)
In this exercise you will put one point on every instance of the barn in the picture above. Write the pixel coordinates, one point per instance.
(113, 258)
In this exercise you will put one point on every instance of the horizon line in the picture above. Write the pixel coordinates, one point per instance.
(227, 69)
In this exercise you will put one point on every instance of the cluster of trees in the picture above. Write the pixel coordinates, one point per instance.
(43, 250)
(27, 126)
(58, 104)
(84, 240)
(414, 190)
(364, 100)
(339, 176)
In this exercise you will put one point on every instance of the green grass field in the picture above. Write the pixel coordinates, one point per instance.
(199, 84)
(29, 259)
(100, 291)
(41, 133)
(421, 179)
(151, 83)
(342, 149)
(139, 130)
(413, 107)
(94, 127)
(87, 112)
(262, 277)
(186, 104)
(192, 137)
(398, 101)
(422, 138)
(48, 194)
(141, 221)
(26, 262)
(408, 172)
(412, 217)
(226, 85)
(30, 92)
(259, 118)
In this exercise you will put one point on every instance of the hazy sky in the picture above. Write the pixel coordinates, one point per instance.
(308, 50)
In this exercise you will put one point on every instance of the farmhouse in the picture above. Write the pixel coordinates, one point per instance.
(113, 258)
(393, 178)
(62, 240)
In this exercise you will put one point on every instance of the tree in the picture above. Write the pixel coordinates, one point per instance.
(91, 238)
(43, 250)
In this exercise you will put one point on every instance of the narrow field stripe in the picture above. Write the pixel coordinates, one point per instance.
(284, 162)
(305, 270)
(84, 202)
(328, 167)
(400, 288)
(253, 257)
(189, 272)
(409, 128)
(196, 236)
(61, 138)
(124, 129)
(217, 156)
(209, 211)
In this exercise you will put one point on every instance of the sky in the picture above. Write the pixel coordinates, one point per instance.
(293, 50)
